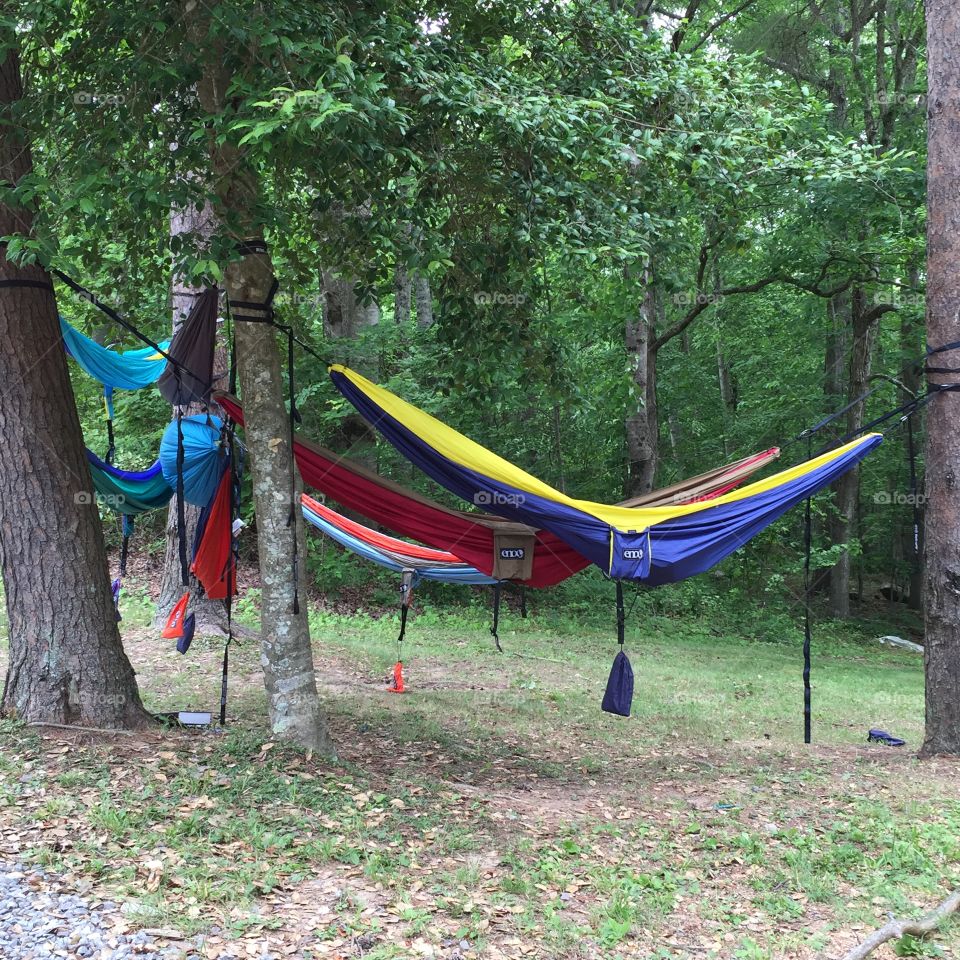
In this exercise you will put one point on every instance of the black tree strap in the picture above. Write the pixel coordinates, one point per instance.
(232, 341)
(225, 673)
(807, 548)
(23, 282)
(621, 616)
(494, 630)
(914, 499)
(236, 473)
(292, 518)
(181, 509)
(127, 528)
(247, 248)
(406, 595)
(913, 365)
(126, 324)
(111, 442)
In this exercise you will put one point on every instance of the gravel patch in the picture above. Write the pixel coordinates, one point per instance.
(38, 921)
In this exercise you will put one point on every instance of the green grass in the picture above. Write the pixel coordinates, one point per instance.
(495, 802)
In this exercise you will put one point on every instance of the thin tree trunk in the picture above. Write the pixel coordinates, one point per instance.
(402, 294)
(344, 320)
(847, 490)
(641, 426)
(286, 654)
(211, 614)
(424, 301)
(942, 522)
(67, 664)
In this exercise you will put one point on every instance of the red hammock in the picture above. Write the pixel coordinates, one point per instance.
(213, 563)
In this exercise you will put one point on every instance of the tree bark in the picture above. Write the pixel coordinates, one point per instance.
(286, 654)
(344, 316)
(942, 521)
(211, 614)
(423, 297)
(402, 294)
(847, 489)
(67, 664)
(642, 426)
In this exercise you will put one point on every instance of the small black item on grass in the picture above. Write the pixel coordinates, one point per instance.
(887, 739)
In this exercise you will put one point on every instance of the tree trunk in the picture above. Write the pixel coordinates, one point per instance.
(67, 664)
(286, 654)
(344, 316)
(424, 301)
(344, 319)
(402, 294)
(847, 489)
(642, 427)
(942, 522)
(211, 614)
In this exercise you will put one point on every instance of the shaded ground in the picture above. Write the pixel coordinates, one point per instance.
(495, 812)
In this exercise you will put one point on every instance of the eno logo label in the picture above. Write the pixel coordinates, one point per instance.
(512, 553)
(634, 554)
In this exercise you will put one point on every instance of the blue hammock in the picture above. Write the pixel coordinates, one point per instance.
(127, 370)
(203, 457)
(652, 544)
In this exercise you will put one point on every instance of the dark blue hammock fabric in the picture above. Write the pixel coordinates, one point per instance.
(654, 545)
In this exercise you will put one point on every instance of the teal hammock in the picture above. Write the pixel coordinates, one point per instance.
(129, 492)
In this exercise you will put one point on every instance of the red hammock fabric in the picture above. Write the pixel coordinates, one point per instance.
(468, 536)
(213, 564)
(410, 515)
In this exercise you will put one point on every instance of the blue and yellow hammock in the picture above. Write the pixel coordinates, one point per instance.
(655, 545)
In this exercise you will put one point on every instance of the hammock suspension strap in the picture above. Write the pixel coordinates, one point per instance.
(494, 630)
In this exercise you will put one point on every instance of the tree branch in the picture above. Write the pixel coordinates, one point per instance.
(704, 301)
(717, 24)
(896, 929)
